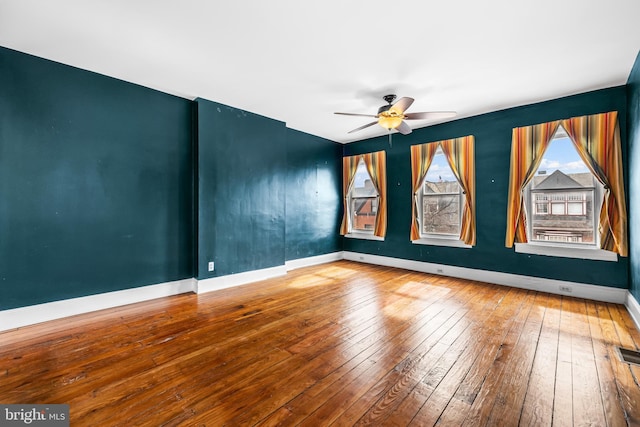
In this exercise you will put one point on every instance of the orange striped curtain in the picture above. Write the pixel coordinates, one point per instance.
(421, 157)
(349, 167)
(597, 139)
(461, 158)
(528, 144)
(377, 167)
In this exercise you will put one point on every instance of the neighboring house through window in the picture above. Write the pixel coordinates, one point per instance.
(555, 198)
(363, 201)
(562, 206)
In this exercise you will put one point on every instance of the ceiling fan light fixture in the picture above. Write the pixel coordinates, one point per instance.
(392, 115)
(390, 121)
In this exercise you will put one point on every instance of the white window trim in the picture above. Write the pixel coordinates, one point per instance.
(453, 242)
(566, 251)
(363, 236)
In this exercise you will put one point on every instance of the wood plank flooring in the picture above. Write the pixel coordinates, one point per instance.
(339, 344)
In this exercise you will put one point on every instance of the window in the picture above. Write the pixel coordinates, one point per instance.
(364, 186)
(556, 204)
(363, 201)
(562, 196)
(441, 198)
(443, 183)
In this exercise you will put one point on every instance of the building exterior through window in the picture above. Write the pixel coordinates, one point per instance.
(363, 205)
(562, 207)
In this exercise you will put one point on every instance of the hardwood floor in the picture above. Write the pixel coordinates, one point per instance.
(338, 344)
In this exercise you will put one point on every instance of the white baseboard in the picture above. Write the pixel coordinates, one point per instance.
(228, 281)
(560, 287)
(633, 308)
(23, 316)
(314, 260)
(30, 315)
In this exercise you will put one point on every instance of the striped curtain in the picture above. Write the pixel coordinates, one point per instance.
(377, 167)
(421, 157)
(597, 139)
(349, 167)
(461, 158)
(528, 144)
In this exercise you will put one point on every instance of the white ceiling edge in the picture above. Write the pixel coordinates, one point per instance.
(299, 63)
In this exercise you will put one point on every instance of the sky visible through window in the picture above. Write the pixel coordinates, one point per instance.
(361, 175)
(440, 171)
(562, 155)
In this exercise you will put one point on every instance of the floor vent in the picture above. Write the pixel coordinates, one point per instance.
(629, 356)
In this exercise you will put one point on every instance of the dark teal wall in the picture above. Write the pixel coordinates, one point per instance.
(95, 183)
(241, 190)
(493, 143)
(633, 102)
(106, 185)
(313, 204)
(266, 193)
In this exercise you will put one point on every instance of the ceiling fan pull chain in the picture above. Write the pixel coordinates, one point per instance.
(390, 144)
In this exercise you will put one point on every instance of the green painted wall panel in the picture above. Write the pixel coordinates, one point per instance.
(241, 190)
(493, 143)
(313, 202)
(95, 183)
(633, 102)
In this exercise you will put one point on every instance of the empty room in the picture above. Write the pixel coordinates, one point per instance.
(319, 214)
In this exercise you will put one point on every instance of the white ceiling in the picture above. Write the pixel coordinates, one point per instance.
(299, 61)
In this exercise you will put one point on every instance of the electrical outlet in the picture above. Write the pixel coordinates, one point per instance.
(211, 266)
(565, 288)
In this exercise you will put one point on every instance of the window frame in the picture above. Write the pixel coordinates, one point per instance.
(438, 239)
(590, 251)
(358, 233)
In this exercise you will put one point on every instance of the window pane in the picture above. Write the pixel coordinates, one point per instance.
(364, 213)
(362, 184)
(564, 180)
(542, 208)
(441, 214)
(557, 208)
(364, 201)
(575, 208)
(441, 198)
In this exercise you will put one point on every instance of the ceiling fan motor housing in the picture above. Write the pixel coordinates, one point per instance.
(389, 99)
(384, 108)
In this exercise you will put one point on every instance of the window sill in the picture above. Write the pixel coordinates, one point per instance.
(438, 241)
(566, 252)
(364, 236)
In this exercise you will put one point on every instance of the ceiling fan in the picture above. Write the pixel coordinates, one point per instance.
(393, 116)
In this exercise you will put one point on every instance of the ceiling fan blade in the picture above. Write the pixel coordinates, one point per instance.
(356, 114)
(363, 127)
(432, 115)
(404, 128)
(401, 105)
